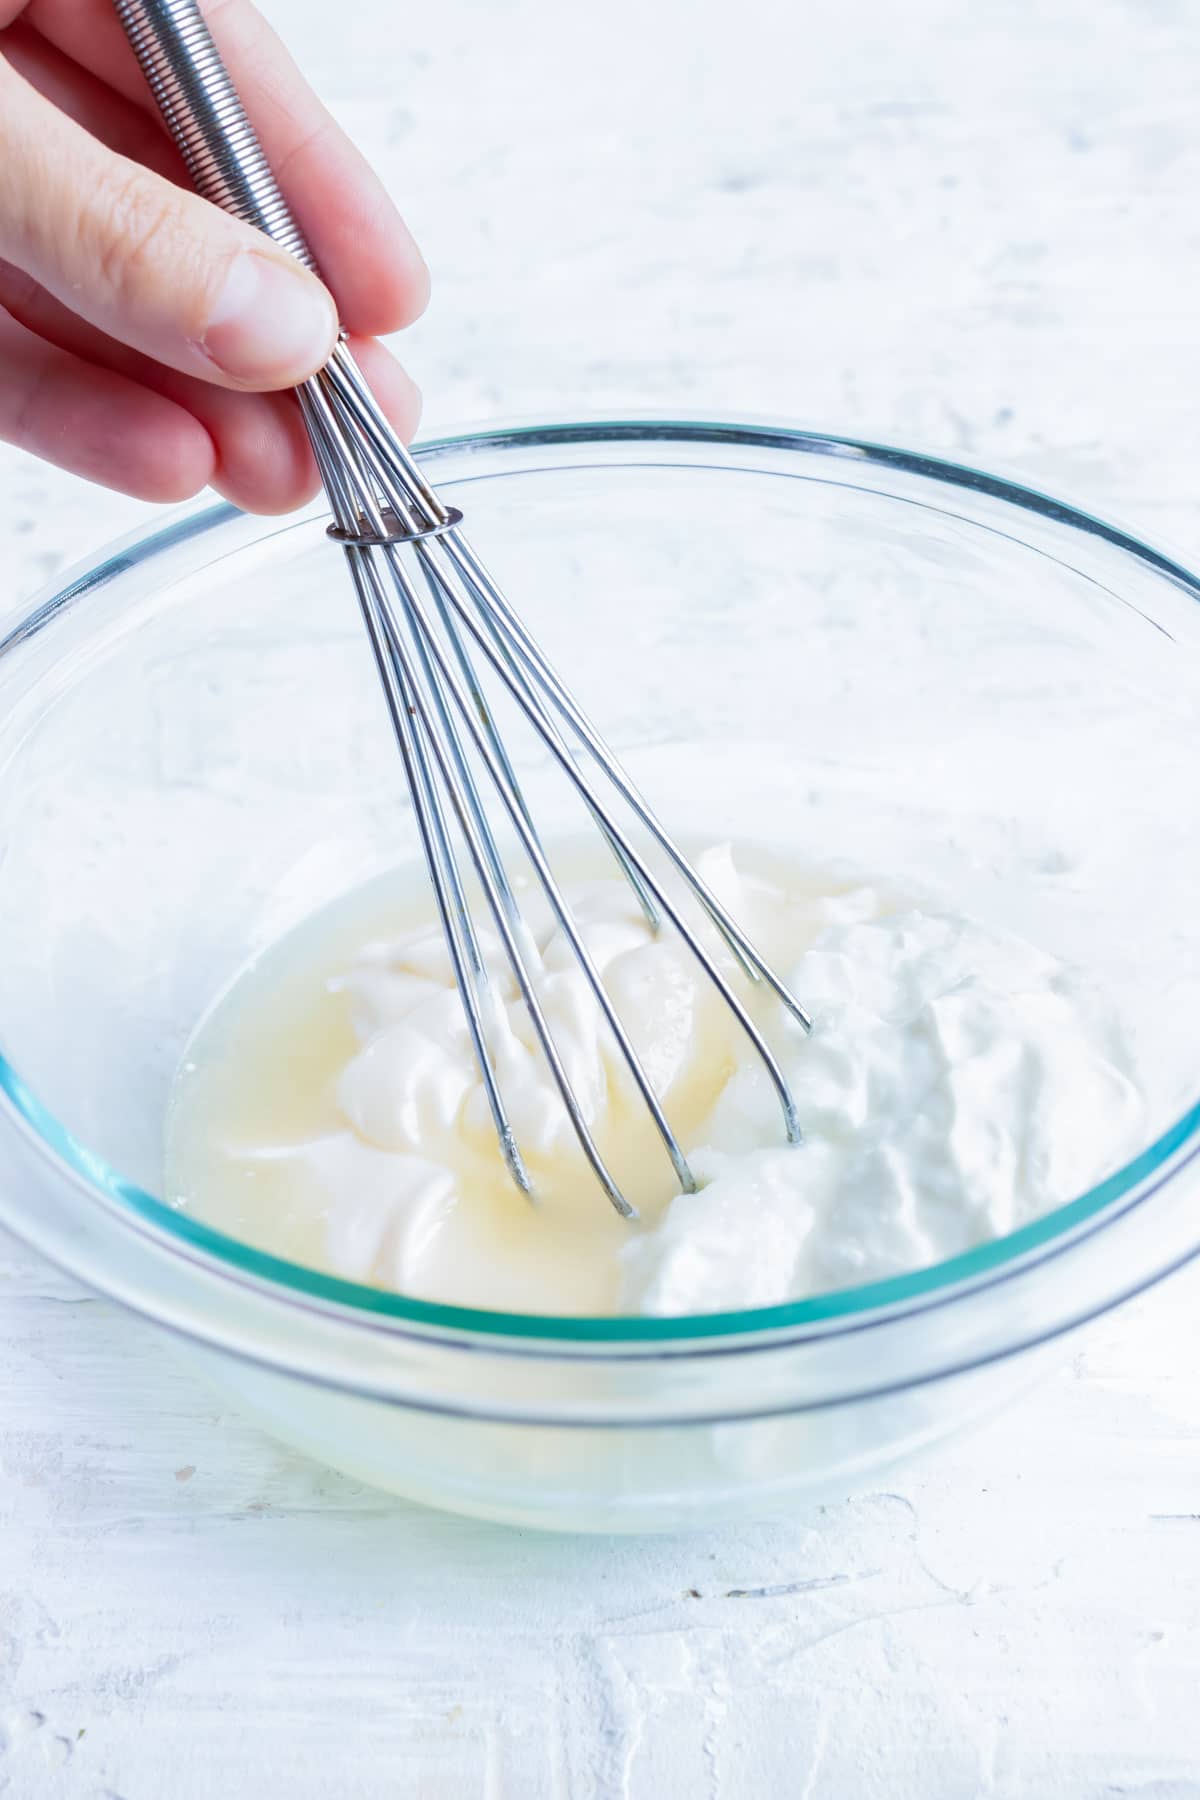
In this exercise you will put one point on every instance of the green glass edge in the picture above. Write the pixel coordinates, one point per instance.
(841, 1303)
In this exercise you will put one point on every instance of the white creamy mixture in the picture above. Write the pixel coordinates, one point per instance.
(958, 1082)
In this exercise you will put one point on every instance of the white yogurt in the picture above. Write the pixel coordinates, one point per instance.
(958, 1082)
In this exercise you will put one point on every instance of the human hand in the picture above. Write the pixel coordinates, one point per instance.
(144, 334)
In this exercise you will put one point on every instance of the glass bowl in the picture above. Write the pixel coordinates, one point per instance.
(874, 658)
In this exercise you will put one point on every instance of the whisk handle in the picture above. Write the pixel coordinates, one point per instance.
(204, 114)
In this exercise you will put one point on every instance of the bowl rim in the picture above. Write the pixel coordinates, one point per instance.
(824, 1315)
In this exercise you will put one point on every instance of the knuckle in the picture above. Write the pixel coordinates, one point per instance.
(139, 248)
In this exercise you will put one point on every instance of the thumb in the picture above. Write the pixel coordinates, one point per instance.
(149, 263)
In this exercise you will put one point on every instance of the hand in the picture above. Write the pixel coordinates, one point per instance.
(144, 334)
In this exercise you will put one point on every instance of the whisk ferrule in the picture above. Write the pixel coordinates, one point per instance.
(394, 530)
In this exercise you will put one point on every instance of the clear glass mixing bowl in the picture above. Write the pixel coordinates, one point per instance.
(871, 656)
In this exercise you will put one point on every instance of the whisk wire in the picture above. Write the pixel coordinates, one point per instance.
(535, 662)
(528, 705)
(483, 713)
(474, 600)
(515, 938)
(421, 626)
(435, 579)
(470, 969)
(462, 657)
(385, 512)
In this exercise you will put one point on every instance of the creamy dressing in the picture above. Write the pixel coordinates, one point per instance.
(958, 1082)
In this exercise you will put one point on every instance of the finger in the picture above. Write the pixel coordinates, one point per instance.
(97, 424)
(391, 384)
(150, 263)
(262, 458)
(264, 463)
(116, 121)
(364, 249)
(361, 243)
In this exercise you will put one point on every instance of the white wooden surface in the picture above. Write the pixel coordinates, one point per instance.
(969, 225)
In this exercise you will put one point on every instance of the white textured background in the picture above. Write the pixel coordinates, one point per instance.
(971, 225)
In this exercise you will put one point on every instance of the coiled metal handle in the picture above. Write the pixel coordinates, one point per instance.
(204, 114)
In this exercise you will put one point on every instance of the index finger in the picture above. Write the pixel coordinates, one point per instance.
(364, 249)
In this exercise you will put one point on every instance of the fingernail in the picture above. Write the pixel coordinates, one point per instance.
(272, 325)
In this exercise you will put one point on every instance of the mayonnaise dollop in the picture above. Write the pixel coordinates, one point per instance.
(958, 1082)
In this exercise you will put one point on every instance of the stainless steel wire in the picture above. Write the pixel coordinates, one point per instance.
(434, 618)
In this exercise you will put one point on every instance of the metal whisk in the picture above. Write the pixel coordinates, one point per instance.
(430, 609)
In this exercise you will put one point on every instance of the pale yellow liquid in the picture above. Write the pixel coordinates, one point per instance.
(261, 1070)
